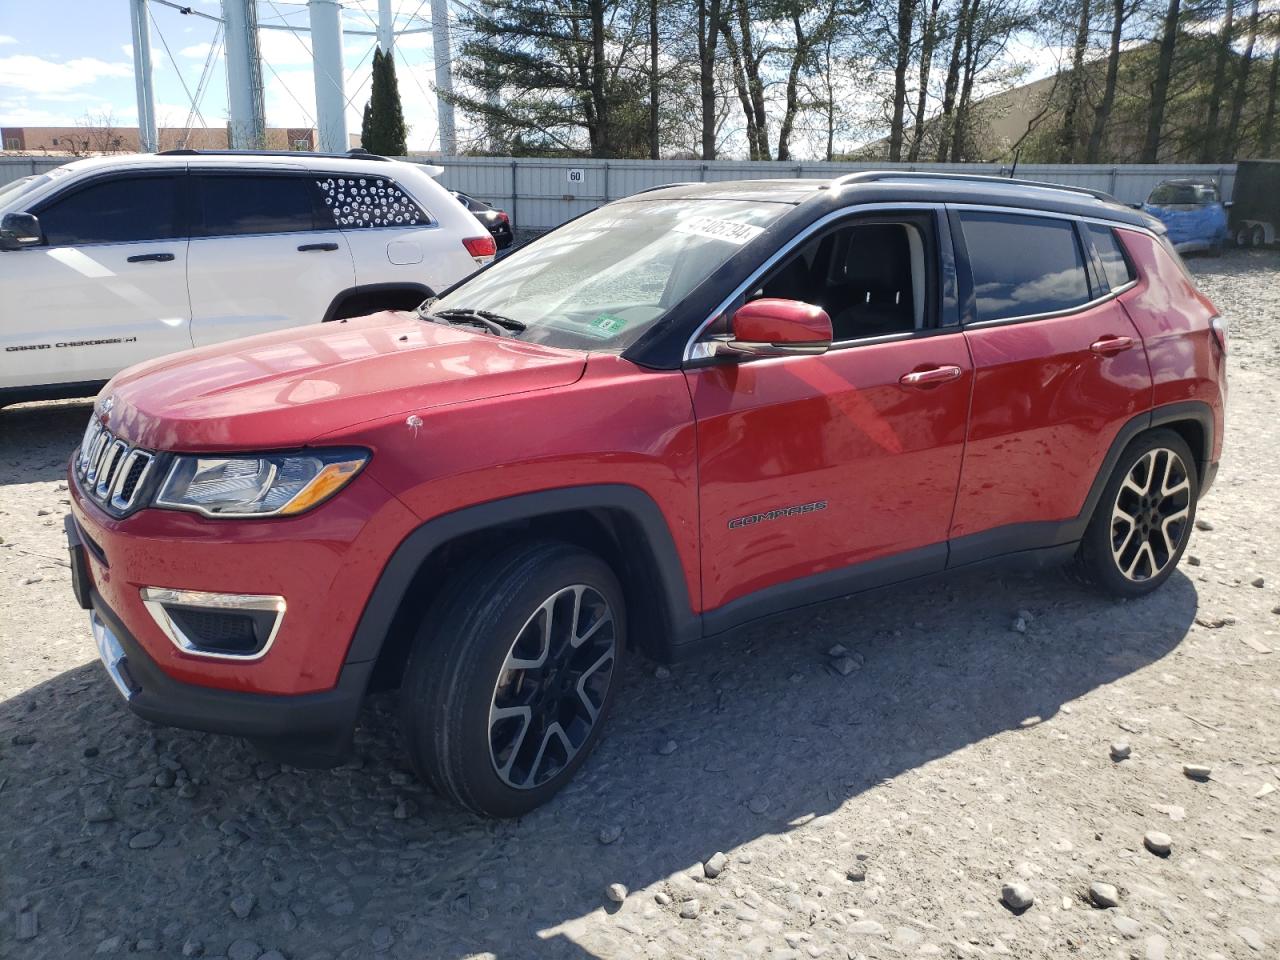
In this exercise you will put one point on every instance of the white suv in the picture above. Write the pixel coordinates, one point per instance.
(110, 261)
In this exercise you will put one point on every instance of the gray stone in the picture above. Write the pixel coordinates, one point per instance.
(610, 833)
(758, 804)
(844, 665)
(110, 945)
(715, 865)
(1258, 582)
(662, 898)
(667, 748)
(273, 955)
(243, 905)
(690, 909)
(1193, 560)
(146, 945)
(187, 790)
(857, 873)
(96, 810)
(145, 840)
(866, 927)
(1158, 843)
(192, 947)
(1019, 625)
(1196, 771)
(405, 808)
(1104, 895)
(1120, 750)
(616, 892)
(1017, 896)
(1202, 524)
(662, 672)
(1157, 947)
(243, 950)
(839, 650)
(1127, 926)
(28, 925)
(382, 938)
(165, 778)
(23, 739)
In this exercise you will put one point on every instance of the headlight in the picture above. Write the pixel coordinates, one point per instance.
(265, 486)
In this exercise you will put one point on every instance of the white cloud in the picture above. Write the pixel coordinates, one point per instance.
(38, 75)
(197, 51)
(5, 38)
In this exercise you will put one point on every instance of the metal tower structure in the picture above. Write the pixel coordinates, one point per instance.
(244, 75)
(148, 141)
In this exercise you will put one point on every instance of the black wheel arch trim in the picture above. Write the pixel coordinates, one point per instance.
(367, 289)
(398, 575)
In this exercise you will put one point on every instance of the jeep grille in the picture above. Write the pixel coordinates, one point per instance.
(111, 472)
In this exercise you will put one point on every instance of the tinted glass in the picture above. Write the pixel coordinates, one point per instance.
(355, 202)
(240, 205)
(1023, 265)
(1172, 194)
(115, 211)
(1114, 263)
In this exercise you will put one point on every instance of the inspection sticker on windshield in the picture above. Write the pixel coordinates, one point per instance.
(606, 325)
(713, 229)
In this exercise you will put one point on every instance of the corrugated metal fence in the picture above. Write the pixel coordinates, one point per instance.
(545, 193)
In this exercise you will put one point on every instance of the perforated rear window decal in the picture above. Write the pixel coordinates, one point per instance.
(369, 202)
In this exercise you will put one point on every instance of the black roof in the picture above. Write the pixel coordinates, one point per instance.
(907, 187)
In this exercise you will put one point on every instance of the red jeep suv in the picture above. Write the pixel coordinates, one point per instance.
(677, 414)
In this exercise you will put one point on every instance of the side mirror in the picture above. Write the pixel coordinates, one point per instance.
(780, 328)
(18, 230)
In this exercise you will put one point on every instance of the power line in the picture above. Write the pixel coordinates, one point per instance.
(195, 106)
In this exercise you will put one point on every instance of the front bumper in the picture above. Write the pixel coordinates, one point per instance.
(310, 729)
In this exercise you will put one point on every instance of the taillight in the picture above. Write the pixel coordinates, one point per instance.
(502, 215)
(1220, 329)
(481, 248)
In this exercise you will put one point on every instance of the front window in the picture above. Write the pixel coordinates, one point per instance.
(601, 281)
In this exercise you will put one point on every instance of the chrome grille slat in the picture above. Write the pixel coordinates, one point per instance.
(112, 471)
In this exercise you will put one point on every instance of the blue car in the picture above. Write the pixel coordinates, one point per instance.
(1192, 212)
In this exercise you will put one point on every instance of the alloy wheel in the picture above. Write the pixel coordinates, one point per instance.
(1150, 515)
(552, 686)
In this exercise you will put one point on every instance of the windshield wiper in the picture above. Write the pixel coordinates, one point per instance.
(495, 323)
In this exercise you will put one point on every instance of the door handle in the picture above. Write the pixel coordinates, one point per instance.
(1109, 345)
(151, 258)
(308, 247)
(930, 378)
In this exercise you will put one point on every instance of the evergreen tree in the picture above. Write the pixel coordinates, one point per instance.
(384, 131)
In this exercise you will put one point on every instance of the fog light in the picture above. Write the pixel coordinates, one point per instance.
(224, 626)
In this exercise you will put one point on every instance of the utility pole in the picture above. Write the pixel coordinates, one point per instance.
(444, 75)
(248, 127)
(148, 142)
(386, 27)
(326, 53)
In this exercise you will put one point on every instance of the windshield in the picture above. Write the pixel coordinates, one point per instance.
(12, 191)
(1170, 194)
(599, 282)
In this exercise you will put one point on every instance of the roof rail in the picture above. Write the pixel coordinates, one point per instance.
(870, 176)
(353, 154)
(663, 186)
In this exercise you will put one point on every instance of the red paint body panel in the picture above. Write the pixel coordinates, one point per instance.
(837, 427)
(1173, 318)
(284, 389)
(324, 563)
(1045, 410)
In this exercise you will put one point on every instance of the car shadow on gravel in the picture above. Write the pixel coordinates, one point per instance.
(105, 837)
(37, 439)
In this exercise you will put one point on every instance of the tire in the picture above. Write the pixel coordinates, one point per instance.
(481, 677)
(1258, 236)
(1244, 237)
(1157, 482)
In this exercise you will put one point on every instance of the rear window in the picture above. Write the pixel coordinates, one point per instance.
(1023, 265)
(241, 205)
(1114, 263)
(1172, 194)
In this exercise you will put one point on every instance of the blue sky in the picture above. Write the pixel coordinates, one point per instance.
(63, 59)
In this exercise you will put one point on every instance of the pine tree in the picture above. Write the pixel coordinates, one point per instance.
(384, 131)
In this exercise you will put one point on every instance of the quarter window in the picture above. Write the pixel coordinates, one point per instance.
(356, 202)
(1114, 263)
(124, 210)
(245, 205)
(1023, 266)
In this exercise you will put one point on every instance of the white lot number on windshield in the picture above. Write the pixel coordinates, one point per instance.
(713, 229)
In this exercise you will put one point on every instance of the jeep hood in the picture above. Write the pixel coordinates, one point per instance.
(284, 389)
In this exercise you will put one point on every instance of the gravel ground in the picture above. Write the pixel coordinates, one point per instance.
(875, 814)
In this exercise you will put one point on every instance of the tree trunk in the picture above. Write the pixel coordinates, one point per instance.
(602, 147)
(1232, 142)
(960, 129)
(1218, 91)
(793, 90)
(928, 37)
(1067, 139)
(1102, 112)
(1268, 135)
(755, 86)
(708, 32)
(947, 119)
(1160, 86)
(654, 145)
(740, 84)
(902, 60)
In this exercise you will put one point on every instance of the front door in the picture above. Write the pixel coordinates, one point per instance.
(820, 475)
(106, 289)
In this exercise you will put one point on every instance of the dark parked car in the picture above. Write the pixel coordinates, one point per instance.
(496, 221)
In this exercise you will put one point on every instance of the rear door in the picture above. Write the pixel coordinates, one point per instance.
(106, 289)
(1058, 369)
(810, 465)
(264, 254)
